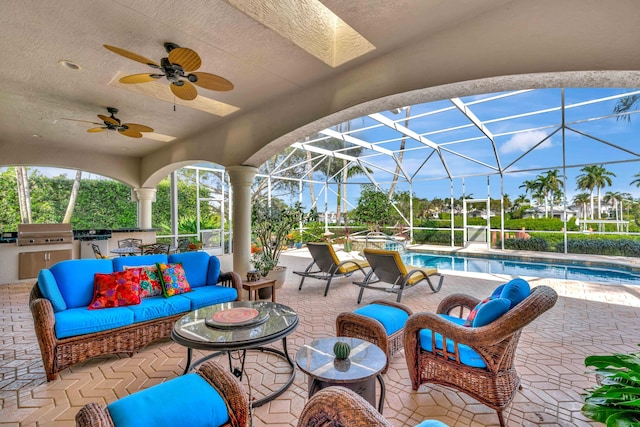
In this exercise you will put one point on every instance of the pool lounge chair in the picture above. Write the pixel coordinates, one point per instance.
(387, 267)
(326, 265)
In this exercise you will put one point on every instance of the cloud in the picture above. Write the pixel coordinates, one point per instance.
(524, 141)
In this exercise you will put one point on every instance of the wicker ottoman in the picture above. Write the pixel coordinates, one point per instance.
(381, 322)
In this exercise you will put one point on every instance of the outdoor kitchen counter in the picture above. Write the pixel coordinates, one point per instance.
(10, 251)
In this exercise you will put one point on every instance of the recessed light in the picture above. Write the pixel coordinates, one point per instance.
(69, 64)
(35, 135)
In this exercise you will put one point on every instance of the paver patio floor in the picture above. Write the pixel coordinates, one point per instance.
(588, 318)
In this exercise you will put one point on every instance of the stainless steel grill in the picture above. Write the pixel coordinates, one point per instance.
(44, 234)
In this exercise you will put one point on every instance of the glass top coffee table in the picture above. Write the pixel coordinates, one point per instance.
(237, 326)
(358, 372)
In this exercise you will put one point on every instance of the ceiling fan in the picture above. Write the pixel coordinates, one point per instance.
(177, 67)
(131, 130)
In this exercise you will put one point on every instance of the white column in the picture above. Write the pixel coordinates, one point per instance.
(145, 197)
(241, 178)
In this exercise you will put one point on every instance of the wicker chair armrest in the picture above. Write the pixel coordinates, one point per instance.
(231, 279)
(94, 415)
(230, 389)
(393, 304)
(459, 301)
(44, 322)
(340, 407)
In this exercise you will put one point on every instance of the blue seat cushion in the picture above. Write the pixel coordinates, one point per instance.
(392, 318)
(120, 263)
(49, 289)
(80, 321)
(188, 400)
(209, 295)
(431, 423)
(75, 279)
(468, 356)
(156, 307)
(195, 265)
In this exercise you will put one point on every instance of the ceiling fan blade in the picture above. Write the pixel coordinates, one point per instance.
(108, 119)
(131, 133)
(131, 55)
(94, 130)
(188, 59)
(187, 91)
(139, 78)
(83, 121)
(137, 127)
(213, 82)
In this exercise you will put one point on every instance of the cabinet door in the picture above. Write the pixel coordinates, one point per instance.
(57, 256)
(30, 264)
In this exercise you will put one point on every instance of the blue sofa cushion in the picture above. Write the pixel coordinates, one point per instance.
(49, 288)
(188, 400)
(392, 318)
(156, 307)
(121, 262)
(75, 279)
(195, 266)
(468, 356)
(209, 295)
(213, 275)
(80, 321)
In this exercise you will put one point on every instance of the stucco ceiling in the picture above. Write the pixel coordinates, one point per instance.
(281, 91)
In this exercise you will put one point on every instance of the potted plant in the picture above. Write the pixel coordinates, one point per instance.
(271, 225)
(615, 400)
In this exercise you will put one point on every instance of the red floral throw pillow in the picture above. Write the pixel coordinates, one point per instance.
(173, 279)
(150, 285)
(117, 289)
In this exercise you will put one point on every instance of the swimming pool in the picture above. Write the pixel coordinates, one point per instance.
(605, 274)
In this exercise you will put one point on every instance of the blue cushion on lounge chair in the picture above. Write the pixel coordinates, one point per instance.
(188, 400)
(467, 356)
(392, 318)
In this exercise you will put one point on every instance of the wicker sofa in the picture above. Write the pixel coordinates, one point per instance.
(69, 333)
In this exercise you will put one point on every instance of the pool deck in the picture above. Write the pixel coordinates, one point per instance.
(588, 319)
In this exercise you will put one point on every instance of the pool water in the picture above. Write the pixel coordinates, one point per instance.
(605, 274)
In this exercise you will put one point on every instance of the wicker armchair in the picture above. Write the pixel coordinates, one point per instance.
(227, 386)
(495, 343)
(342, 407)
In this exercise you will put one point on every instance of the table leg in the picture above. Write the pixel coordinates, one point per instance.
(189, 354)
(382, 392)
(273, 293)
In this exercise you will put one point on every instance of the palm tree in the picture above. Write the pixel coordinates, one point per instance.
(520, 201)
(551, 185)
(636, 181)
(624, 105)
(594, 177)
(582, 199)
(530, 186)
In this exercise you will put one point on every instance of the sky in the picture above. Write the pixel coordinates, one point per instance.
(516, 121)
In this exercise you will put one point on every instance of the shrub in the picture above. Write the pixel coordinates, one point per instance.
(532, 244)
(620, 247)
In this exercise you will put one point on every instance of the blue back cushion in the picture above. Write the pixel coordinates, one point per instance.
(487, 311)
(75, 279)
(392, 318)
(121, 262)
(49, 288)
(188, 400)
(214, 270)
(195, 266)
(515, 291)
